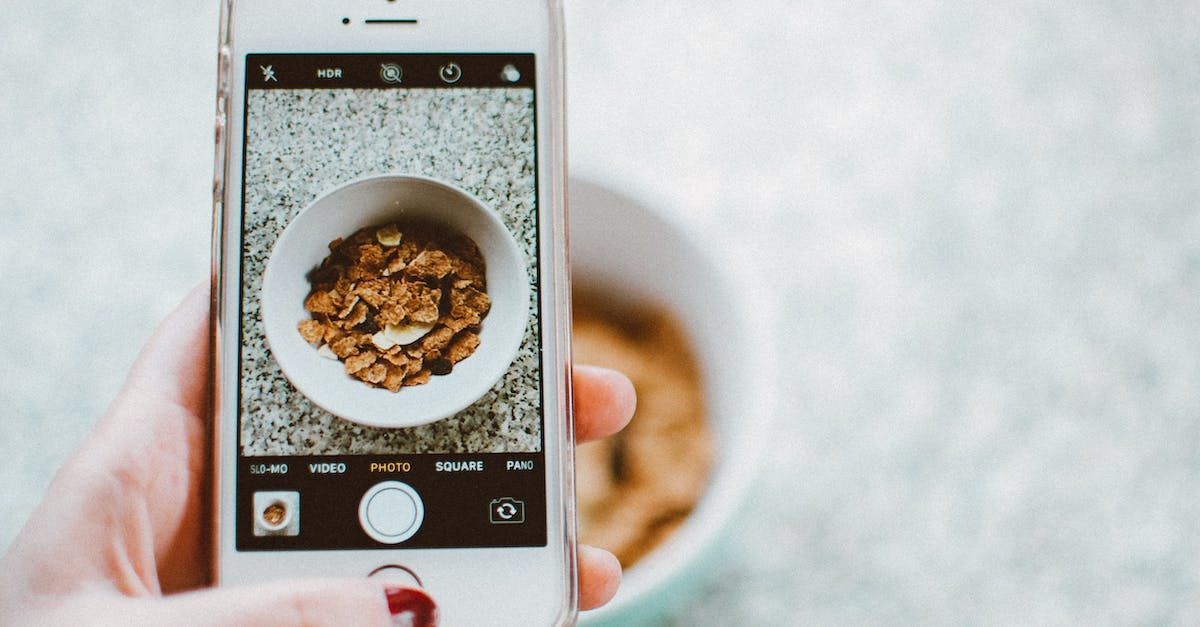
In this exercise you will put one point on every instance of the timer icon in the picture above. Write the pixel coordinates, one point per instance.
(450, 73)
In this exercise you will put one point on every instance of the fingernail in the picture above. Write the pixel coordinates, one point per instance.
(411, 607)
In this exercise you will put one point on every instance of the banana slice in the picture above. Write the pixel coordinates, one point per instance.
(388, 235)
(400, 335)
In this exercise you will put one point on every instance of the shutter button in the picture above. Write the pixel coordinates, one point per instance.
(391, 512)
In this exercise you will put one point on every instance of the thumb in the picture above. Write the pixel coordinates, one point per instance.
(315, 602)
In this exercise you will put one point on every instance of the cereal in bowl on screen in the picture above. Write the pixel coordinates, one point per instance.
(398, 303)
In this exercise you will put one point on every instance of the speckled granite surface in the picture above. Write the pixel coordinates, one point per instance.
(302, 143)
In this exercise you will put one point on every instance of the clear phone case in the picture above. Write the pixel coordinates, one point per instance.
(552, 180)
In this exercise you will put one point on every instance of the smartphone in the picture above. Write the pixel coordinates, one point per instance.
(392, 392)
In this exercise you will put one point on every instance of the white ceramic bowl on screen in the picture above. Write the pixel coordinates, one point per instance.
(374, 201)
(637, 256)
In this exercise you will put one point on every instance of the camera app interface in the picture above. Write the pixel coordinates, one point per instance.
(390, 388)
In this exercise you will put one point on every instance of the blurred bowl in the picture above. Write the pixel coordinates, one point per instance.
(636, 257)
(370, 202)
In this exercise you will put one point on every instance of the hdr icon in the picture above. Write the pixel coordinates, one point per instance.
(331, 72)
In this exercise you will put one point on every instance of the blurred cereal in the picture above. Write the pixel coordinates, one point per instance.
(636, 488)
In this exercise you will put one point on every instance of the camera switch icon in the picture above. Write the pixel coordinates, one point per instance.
(506, 511)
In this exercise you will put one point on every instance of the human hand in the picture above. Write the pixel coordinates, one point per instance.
(121, 534)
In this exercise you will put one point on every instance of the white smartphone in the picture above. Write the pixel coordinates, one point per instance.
(391, 302)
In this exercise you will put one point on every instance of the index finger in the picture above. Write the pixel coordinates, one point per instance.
(604, 402)
(173, 366)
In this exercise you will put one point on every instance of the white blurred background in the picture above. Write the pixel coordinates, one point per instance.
(982, 222)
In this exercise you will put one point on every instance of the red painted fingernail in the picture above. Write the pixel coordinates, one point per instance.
(411, 606)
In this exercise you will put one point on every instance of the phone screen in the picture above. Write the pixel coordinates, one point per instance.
(394, 197)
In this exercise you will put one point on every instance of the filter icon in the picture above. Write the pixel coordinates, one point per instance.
(510, 74)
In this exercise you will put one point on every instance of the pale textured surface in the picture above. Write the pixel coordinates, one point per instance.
(426, 132)
(984, 218)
